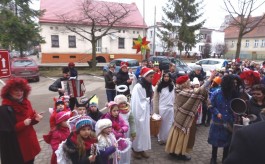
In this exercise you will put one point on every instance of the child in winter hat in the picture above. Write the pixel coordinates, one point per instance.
(126, 114)
(93, 111)
(59, 107)
(59, 134)
(107, 143)
(80, 145)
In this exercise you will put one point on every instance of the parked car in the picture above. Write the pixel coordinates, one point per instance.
(25, 67)
(164, 62)
(209, 64)
(133, 63)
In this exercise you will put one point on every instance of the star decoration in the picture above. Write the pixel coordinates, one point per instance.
(141, 44)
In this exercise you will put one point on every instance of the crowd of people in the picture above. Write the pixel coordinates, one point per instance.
(82, 133)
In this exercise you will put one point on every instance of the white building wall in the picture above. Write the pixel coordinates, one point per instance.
(109, 44)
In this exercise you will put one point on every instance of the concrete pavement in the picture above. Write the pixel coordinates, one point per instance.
(201, 153)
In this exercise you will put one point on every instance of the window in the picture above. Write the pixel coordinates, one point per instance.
(263, 43)
(55, 40)
(133, 32)
(72, 41)
(247, 43)
(256, 43)
(151, 34)
(121, 43)
(233, 44)
(99, 45)
(134, 39)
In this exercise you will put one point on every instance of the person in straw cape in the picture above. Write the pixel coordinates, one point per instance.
(186, 104)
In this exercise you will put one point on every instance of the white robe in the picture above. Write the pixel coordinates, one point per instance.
(126, 157)
(140, 106)
(166, 111)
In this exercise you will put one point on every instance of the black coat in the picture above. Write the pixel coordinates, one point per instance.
(9, 147)
(122, 78)
(109, 84)
(248, 145)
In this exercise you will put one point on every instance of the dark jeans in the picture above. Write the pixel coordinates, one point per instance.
(110, 95)
(214, 152)
(206, 114)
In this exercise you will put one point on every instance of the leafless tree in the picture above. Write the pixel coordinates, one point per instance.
(242, 17)
(220, 49)
(96, 19)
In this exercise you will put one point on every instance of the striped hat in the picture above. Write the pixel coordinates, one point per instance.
(84, 121)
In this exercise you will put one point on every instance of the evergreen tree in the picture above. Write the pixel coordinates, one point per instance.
(181, 23)
(18, 29)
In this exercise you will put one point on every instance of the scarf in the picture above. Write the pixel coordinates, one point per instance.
(162, 84)
(87, 141)
(125, 110)
(147, 86)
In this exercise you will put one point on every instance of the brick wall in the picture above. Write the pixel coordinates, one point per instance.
(83, 58)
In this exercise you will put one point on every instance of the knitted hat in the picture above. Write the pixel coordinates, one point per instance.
(84, 121)
(217, 80)
(124, 64)
(120, 99)
(182, 79)
(102, 124)
(145, 71)
(61, 116)
(195, 81)
(196, 67)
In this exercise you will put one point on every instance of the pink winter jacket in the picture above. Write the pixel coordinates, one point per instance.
(119, 128)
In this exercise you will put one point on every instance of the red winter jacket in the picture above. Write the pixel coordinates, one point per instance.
(157, 77)
(26, 135)
(57, 137)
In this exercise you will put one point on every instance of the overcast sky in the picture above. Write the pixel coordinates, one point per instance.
(214, 12)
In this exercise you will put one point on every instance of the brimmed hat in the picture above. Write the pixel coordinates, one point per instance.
(182, 79)
(102, 124)
(145, 71)
(61, 116)
(84, 121)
